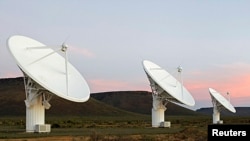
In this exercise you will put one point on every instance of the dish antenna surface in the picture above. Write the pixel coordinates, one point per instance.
(46, 73)
(219, 103)
(165, 88)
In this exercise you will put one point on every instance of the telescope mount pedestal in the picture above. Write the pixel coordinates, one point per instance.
(159, 106)
(36, 102)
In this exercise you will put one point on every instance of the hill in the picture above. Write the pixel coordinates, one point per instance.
(12, 96)
(138, 102)
(240, 111)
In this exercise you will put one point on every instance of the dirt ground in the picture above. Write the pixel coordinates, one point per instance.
(172, 137)
(62, 138)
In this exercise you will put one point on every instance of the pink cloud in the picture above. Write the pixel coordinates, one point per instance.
(82, 51)
(11, 74)
(234, 78)
(104, 85)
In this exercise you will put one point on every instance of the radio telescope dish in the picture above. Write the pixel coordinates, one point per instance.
(165, 88)
(46, 73)
(219, 103)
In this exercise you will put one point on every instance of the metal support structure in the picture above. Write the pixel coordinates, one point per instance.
(216, 112)
(37, 100)
(159, 105)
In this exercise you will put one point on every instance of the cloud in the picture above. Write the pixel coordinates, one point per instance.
(11, 74)
(105, 85)
(82, 51)
(233, 78)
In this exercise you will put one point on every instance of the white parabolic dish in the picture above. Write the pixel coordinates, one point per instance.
(47, 68)
(168, 83)
(224, 102)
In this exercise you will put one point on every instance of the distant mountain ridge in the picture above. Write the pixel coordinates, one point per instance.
(12, 96)
(138, 102)
(240, 111)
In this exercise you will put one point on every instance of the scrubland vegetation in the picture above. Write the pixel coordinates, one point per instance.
(119, 128)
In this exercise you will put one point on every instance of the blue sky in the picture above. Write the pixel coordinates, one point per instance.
(109, 39)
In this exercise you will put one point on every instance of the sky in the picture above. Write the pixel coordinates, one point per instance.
(108, 40)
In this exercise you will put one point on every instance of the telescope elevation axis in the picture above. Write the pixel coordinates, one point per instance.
(219, 103)
(46, 73)
(165, 88)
